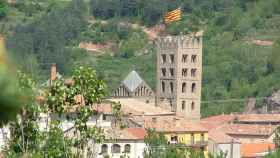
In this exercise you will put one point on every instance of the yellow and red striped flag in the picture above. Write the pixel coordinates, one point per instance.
(174, 15)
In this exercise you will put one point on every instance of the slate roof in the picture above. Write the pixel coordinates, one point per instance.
(132, 81)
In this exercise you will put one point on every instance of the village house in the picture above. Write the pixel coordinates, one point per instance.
(251, 134)
(177, 130)
(221, 143)
(128, 142)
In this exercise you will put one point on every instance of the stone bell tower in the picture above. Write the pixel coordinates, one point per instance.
(179, 74)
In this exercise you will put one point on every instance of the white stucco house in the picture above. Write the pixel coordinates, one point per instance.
(128, 143)
(220, 143)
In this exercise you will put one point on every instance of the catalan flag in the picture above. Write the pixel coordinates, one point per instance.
(174, 15)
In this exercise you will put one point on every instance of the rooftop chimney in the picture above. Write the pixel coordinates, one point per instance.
(53, 72)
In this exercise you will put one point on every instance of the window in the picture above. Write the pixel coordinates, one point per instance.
(183, 105)
(171, 87)
(104, 149)
(184, 58)
(194, 59)
(202, 138)
(174, 139)
(192, 138)
(163, 72)
(154, 120)
(162, 86)
(171, 72)
(184, 85)
(192, 106)
(193, 87)
(172, 58)
(193, 72)
(116, 148)
(103, 117)
(163, 58)
(184, 72)
(127, 148)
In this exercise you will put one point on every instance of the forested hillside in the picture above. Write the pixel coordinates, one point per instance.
(241, 41)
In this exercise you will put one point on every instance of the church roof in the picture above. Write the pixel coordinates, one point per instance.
(132, 80)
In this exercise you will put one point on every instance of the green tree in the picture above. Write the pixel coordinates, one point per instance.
(273, 60)
(11, 99)
(3, 9)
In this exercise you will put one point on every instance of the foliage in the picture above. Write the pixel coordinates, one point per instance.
(276, 139)
(274, 154)
(57, 145)
(3, 9)
(46, 39)
(157, 146)
(25, 130)
(10, 97)
(61, 102)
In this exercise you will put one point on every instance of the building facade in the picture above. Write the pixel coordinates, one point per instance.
(180, 131)
(125, 143)
(179, 74)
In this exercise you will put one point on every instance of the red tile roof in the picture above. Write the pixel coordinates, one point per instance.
(216, 121)
(247, 129)
(125, 134)
(139, 133)
(259, 118)
(221, 137)
(140, 107)
(254, 150)
(172, 124)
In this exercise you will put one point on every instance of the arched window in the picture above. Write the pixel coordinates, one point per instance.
(162, 86)
(127, 148)
(183, 105)
(193, 72)
(171, 58)
(104, 149)
(184, 58)
(171, 87)
(192, 106)
(116, 148)
(184, 72)
(184, 85)
(171, 72)
(163, 72)
(194, 59)
(193, 87)
(163, 58)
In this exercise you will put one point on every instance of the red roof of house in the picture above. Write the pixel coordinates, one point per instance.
(215, 121)
(172, 124)
(247, 129)
(221, 137)
(139, 133)
(254, 150)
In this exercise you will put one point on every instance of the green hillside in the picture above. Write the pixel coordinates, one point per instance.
(241, 41)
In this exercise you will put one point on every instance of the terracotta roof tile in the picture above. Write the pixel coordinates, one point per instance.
(171, 124)
(247, 129)
(254, 150)
(259, 118)
(139, 107)
(125, 134)
(215, 121)
(221, 137)
(139, 133)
